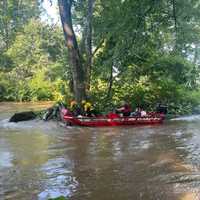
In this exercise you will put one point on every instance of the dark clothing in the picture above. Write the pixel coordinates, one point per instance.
(77, 111)
(125, 110)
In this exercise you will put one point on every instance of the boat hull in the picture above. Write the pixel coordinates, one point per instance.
(118, 121)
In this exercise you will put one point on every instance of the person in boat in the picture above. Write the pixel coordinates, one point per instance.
(125, 109)
(143, 113)
(136, 113)
(87, 109)
(139, 112)
(75, 108)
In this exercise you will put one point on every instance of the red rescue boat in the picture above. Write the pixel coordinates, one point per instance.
(114, 120)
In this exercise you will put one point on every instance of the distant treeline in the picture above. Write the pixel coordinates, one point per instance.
(144, 52)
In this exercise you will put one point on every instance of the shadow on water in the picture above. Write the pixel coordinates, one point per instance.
(41, 160)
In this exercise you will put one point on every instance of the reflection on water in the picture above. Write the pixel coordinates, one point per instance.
(58, 181)
(39, 160)
(5, 159)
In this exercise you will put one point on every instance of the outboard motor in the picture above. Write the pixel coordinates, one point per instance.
(161, 109)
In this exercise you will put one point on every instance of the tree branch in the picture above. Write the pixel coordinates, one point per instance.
(98, 47)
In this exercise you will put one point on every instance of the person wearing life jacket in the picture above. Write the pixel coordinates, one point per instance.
(87, 108)
(75, 108)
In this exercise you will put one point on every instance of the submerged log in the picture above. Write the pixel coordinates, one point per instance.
(23, 116)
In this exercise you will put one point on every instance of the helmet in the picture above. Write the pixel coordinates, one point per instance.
(73, 103)
(83, 102)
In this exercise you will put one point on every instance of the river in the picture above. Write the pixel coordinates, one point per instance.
(41, 160)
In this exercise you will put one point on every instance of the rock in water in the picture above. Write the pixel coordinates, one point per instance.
(23, 116)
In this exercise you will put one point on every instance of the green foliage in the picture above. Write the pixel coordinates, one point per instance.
(142, 56)
(38, 65)
(176, 68)
(170, 80)
(59, 198)
(14, 14)
(153, 61)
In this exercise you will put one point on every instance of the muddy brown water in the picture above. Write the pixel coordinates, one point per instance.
(41, 160)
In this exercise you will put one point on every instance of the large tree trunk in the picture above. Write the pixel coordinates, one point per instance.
(78, 74)
(5, 24)
(109, 94)
(175, 25)
(88, 42)
(195, 55)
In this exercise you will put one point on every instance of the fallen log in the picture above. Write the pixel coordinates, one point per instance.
(23, 116)
(49, 114)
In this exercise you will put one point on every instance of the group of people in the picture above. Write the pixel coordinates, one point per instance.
(126, 111)
(84, 109)
(87, 109)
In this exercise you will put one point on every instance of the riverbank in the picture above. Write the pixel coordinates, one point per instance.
(24, 106)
